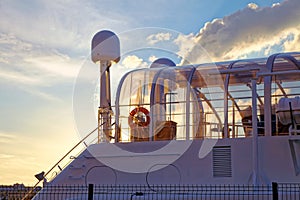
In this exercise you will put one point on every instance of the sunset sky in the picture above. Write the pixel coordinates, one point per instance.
(44, 45)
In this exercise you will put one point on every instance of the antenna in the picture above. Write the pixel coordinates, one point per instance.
(105, 50)
(105, 47)
(162, 62)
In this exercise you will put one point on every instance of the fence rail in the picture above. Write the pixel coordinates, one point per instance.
(276, 191)
(17, 191)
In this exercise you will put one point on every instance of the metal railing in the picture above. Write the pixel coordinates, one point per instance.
(29, 193)
(276, 191)
(17, 192)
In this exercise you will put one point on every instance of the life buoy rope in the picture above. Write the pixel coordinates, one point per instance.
(134, 120)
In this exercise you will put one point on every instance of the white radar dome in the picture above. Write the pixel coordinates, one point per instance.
(162, 62)
(105, 47)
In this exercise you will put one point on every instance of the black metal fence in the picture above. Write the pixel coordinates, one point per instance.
(17, 191)
(286, 191)
(276, 191)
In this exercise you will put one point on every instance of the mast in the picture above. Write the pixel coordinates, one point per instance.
(105, 51)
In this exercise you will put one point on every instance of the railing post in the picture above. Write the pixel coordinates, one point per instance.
(91, 192)
(255, 157)
(275, 190)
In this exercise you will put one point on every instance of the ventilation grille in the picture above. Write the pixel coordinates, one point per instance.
(222, 161)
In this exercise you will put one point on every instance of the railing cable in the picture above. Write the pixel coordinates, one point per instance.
(57, 164)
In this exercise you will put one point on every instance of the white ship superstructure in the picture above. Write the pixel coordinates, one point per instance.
(234, 122)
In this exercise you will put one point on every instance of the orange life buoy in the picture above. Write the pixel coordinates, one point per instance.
(134, 120)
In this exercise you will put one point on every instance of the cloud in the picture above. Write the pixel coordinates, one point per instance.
(185, 43)
(57, 24)
(133, 62)
(152, 58)
(23, 61)
(55, 63)
(6, 138)
(29, 84)
(294, 43)
(43, 44)
(16, 77)
(251, 31)
(30, 66)
(253, 6)
(158, 37)
(6, 156)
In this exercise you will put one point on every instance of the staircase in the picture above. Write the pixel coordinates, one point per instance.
(66, 158)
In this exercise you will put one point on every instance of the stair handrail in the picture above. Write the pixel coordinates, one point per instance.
(57, 163)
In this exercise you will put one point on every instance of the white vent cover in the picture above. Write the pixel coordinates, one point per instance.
(222, 161)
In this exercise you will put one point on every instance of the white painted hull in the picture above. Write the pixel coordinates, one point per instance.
(275, 160)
